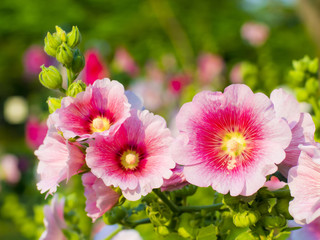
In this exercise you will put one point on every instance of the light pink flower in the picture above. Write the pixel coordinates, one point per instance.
(308, 232)
(54, 220)
(33, 58)
(100, 109)
(176, 181)
(35, 132)
(209, 67)
(274, 184)
(301, 125)
(94, 68)
(9, 169)
(136, 158)
(236, 74)
(59, 159)
(303, 181)
(125, 62)
(255, 33)
(128, 234)
(178, 82)
(230, 140)
(100, 198)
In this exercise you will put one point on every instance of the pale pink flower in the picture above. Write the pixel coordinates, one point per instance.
(35, 132)
(308, 232)
(210, 66)
(9, 169)
(54, 220)
(94, 68)
(178, 82)
(128, 234)
(136, 158)
(59, 159)
(230, 140)
(236, 74)
(100, 109)
(255, 33)
(153, 73)
(274, 184)
(176, 181)
(303, 181)
(125, 62)
(100, 198)
(301, 125)
(33, 58)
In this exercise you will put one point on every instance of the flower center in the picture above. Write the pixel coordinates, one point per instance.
(100, 124)
(130, 159)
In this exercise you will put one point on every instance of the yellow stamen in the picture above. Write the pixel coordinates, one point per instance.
(130, 159)
(100, 124)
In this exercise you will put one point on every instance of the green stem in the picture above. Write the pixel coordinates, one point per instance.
(212, 207)
(70, 78)
(114, 233)
(163, 197)
(62, 90)
(141, 221)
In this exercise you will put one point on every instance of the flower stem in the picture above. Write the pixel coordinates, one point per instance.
(141, 221)
(212, 207)
(70, 78)
(114, 233)
(163, 197)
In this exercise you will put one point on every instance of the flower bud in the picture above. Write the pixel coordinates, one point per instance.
(49, 50)
(271, 222)
(115, 215)
(74, 37)
(75, 88)
(283, 207)
(302, 94)
(312, 85)
(78, 61)
(51, 43)
(53, 104)
(296, 76)
(65, 55)
(61, 34)
(313, 66)
(188, 190)
(246, 218)
(50, 77)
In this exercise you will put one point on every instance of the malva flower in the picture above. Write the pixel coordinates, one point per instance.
(59, 159)
(100, 109)
(309, 231)
(301, 125)
(274, 184)
(136, 158)
(100, 198)
(303, 181)
(176, 181)
(230, 140)
(35, 132)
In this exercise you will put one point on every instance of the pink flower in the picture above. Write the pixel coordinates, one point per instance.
(128, 234)
(274, 184)
(35, 132)
(54, 220)
(178, 82)
(100, 109)
(100, 198)
(59, 160)
(236, 74)
(125, 62)
(255, 33)
(301, 125)
(33, 58)
(9, 169)
(308, 232)
(176, 181)
(136, 158)
(94, 68)
(210, 66)
(230, 140)
(303, 181)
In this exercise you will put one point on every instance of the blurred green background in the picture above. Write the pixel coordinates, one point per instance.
(172, 34)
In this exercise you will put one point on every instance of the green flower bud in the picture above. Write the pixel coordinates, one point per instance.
(115, 215)
(313, 66)
(50, 77)
(296, 76)
(53, 104)
(49, 50)
(52, 40)
(246, 218)
(283, 207)
(61, 34)
(78, 61)
(263, 208)
(188, 190)
(74, 37)
(312, 85)
(302, 94)
(75, 88)
(301, 65)
(271, 222)
(65, 55)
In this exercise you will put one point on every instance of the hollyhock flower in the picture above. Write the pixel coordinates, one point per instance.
(255, 33)
(136, 158)
(9, 169)
(301, 125)
(176, 181)
(33, 58)
(54, 220)
(100, 109)
(274, 184)
(230, 140)
(178, 82)
(94, 68)
(303, 181)
(59, 160)
(129, 234)
(235, 74)
(35, 132)
(125, 62)
(309, 231)
(209, 67)
(100, 198)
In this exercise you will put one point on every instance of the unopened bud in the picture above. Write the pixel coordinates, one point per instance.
(312, 85)
(75, 88)
(78, 61)
(51, 43)
(50, 77)
(61, 34)
(65, 55)
(271, 222)
(246, 219)
(53, 104)
(313, 65)
(115, 215)
(74, 37)
(302, 94)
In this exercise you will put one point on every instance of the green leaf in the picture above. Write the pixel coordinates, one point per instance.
(272, 202)
(282, 236)
(207, 233)
(235, 232)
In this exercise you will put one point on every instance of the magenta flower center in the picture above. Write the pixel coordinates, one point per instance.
(100, 124)
(130, 159)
